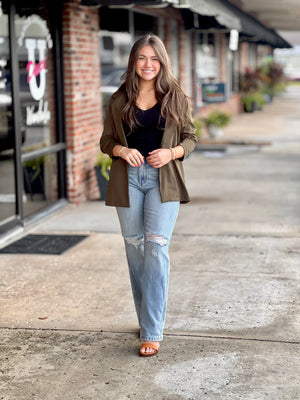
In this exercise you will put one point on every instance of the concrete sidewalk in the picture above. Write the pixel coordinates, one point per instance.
(68, 327)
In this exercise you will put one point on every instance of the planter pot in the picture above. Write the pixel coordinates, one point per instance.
(250, 108)
(267, 98)
(253, 106)
(102, 183)
(215, 132)
(33, 182)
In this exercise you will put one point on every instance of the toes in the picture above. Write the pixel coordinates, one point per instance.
(149, 350)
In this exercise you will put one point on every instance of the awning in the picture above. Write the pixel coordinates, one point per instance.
(214, 8)
(253, 30)
(209, 14)
(205, 8)
(210, 8)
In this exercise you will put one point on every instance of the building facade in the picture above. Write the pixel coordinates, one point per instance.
(61, 60)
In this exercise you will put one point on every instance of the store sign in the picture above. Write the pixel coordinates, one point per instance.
(214, 93)
(36, 69)
(36, 38)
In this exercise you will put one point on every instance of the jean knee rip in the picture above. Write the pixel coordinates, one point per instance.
(158, 239)
(135, 240)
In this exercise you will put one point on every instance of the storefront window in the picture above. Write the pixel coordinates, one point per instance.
(119, 28)
(37, 104)
(32, 146)
(40, 183)
(207, 63)
(207, 58)
(7, 169)
(36, 81)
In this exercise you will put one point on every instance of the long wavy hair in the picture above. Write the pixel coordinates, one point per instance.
(167, 89)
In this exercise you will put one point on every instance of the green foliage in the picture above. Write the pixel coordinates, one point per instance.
(217, 118)
(36, 165)
(268, 78)
(251, 81)
(104, 162)
(252, 97)
(198, 123)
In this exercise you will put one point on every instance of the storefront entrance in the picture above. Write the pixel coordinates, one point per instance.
(32, 143)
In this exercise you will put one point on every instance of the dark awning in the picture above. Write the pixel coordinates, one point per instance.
(253, 30)
(210, 14)
(216, 10)
(212, 9)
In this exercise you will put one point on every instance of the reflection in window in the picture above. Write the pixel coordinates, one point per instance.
(40, 183)
(37, 102)
(34, 50)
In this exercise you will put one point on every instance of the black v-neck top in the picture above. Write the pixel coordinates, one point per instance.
(148, 134)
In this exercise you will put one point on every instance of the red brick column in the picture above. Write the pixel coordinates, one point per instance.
(182, 74)
(168, 37)
(244, 56)
(82, 96)
(223, 58)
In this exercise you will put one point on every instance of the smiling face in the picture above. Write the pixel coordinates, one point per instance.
(147, 65)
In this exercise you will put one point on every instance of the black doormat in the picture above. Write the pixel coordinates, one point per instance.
(43, 244)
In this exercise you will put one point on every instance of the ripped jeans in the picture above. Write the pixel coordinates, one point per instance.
(147, 227)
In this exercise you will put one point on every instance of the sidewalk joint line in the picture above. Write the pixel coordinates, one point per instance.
(184, 335)
(292, 235)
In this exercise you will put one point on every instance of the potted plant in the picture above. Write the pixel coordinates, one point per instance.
(102, 168)
(251, 85)
(198, 123)
(215, 121)
(272, 77)
(252, 101)
(33, 174)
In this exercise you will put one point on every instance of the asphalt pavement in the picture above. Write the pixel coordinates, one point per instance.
(68, 329)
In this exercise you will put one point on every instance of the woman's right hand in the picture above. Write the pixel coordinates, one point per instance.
(132, 156)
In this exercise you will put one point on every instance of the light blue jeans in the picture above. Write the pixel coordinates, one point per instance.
(147, 227)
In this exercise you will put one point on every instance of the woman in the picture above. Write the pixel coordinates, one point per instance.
(148, 132)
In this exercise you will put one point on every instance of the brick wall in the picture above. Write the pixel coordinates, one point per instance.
(244, 56)
(223, 58)
(167, 39)
(82, 96)
(182, 63)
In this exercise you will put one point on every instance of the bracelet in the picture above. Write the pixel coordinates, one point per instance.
(173, 153)
(121, 149)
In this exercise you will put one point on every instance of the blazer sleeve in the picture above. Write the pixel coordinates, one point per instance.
(109, 138)
(188, 138)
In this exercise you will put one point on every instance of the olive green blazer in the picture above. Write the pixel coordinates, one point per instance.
(171, 176)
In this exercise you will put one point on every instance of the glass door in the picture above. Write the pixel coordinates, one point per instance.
(35, 50)
(7, 141)
(32, 141)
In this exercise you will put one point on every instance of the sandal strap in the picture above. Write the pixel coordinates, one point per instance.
(150, 346)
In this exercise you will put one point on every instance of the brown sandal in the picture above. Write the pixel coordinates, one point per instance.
(149, 345)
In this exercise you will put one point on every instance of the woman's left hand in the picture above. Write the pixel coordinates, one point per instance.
(159, 157)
